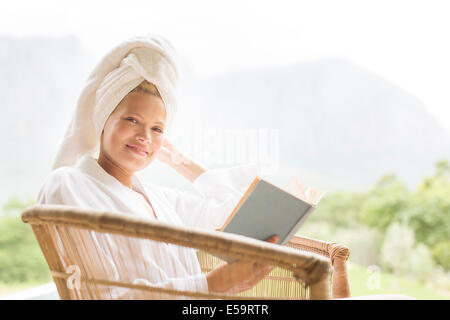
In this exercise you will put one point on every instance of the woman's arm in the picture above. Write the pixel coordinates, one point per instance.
(219, 189)
(174, 158)
(238, 276)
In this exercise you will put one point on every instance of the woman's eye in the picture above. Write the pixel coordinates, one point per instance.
(135, 121)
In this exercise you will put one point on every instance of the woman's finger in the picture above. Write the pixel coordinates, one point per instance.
(273, 239)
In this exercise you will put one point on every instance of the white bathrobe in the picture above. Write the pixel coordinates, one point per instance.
(88, 185)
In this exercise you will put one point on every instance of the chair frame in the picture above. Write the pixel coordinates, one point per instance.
(319, 264)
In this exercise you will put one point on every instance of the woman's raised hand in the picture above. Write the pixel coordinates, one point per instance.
(238, 276)
(173, 157)
(169, 154)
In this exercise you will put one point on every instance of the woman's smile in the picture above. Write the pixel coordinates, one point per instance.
(136, 151)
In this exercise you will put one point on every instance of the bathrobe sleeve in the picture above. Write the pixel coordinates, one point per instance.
(219, 191)
(195, 283)
(66, 187)
(61, 187)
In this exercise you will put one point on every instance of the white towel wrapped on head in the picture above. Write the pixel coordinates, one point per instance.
(148, 57)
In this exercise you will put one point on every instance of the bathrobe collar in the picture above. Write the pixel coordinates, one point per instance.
(89, 165)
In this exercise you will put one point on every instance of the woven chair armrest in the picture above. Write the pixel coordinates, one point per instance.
(308, 267)
(331, 250)
(338, 255)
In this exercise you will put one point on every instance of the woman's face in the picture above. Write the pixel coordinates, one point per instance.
(139, 121)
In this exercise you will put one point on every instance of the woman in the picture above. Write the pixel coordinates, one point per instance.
(119, 128)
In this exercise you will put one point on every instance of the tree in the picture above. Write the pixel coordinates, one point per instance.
(397, 247)
(429, 213)
(400, 253)
(21, 259)
(14, 206)
(386, 203)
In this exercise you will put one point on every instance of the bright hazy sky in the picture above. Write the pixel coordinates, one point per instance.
(405, 42)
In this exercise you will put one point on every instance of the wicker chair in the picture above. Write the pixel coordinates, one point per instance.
(304, 268)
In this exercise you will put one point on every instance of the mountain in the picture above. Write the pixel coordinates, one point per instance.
(339, 126)
(337, 122)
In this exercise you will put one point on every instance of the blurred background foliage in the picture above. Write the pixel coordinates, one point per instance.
(404, 233)
(21, 259)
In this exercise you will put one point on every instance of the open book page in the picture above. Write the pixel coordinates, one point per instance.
(310, 195)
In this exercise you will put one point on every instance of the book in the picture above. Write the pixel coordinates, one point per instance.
(266, 210)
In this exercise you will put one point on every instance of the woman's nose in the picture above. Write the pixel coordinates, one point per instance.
(144, 139)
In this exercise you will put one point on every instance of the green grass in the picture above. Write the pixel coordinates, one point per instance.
(359, 276)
